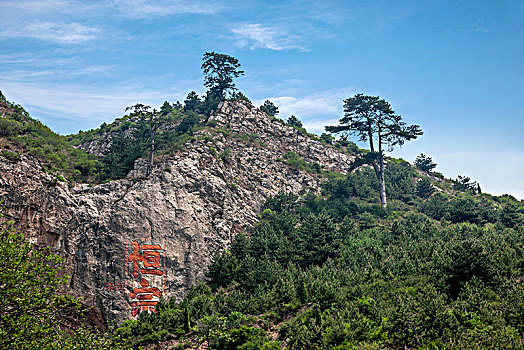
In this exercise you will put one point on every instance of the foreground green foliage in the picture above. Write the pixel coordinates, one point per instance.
(30, 305)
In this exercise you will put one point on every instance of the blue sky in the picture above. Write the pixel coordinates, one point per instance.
(454, 67)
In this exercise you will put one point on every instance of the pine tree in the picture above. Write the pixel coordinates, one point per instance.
(294, 121)
(372, 119)
(424, 188)
(269, 108)
(424, 163)
(192, 102)
(219, 72)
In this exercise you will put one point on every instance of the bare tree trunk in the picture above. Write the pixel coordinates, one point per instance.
(382, 183)
(150, 165)
(379, 172)
(379, 169)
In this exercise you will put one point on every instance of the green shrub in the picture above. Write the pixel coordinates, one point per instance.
(225, 155)
(13, 156)
(212, 123)
(9, 127)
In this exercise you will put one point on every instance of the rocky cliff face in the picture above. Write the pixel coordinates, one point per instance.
(128, 242)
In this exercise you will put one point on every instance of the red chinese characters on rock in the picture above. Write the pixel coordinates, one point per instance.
(145, 260)
(115, 287)
(144, 296)
(150, 258)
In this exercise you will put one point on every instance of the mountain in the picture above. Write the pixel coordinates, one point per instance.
(190, 208)
(253, 234)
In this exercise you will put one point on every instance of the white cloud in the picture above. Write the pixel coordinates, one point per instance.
(259, 36)
(35, 6)
(131, 8)
(68, 108)
(159, 8)
(62, 33)
(20, 75)
(319, 126)
(314, 110)
(33, 60)
(308, 105)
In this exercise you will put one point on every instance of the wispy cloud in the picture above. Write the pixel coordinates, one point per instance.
(35, 6)
(160, 8)
(314, 110)
(255, 35)
(319, 126)
(73, 72)
(325, 103)
(134, 8)
(67, 108)
(62, 33)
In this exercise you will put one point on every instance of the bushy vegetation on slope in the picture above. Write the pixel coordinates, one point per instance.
(336, 272)
(37, 139)
(129, 139)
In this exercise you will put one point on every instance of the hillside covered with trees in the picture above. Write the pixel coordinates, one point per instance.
(332, 271)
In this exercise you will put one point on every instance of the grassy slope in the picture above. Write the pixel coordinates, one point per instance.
(57, 153)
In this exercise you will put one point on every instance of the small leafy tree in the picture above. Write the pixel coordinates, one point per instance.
(145, 113)
(8, 127)
(154, 120)
(464, 183)
(192, 102)
(29, 281)
(121, 156)
(166, 109)
(187, 123)
(424, 163)
(511, 215)
(238, 95)
(372, 119)
(269, 108)
(424, 188)
(327, 138)
(177, 106)
(210, 102)
(219, 72)
(294, 121)
(30, 305)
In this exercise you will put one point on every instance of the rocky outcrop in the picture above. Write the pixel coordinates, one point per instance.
(127, 242)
